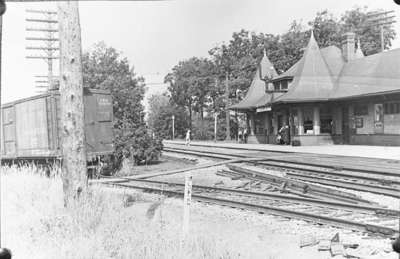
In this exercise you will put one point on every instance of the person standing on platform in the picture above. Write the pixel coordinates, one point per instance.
(245, 135)
(187, 138)
(284, 132)
(240, 135)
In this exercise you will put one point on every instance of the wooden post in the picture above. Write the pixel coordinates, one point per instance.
(316, 126)
(71, 101)
(187, 198)
(300, 120)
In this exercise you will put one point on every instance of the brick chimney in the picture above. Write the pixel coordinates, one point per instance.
(348, 46)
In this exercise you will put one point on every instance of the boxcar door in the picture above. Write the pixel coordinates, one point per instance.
(104, 123)
(90, 123)
(32, 128)
(8, 140)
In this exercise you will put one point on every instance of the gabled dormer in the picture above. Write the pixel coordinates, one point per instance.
(283, 82)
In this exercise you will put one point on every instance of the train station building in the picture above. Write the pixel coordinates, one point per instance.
(330, 96)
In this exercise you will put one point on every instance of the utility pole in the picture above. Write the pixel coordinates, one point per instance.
(227, 113)
(71, 99)
(49, 18)
(381, 19)
(2, 10)
(4, 252)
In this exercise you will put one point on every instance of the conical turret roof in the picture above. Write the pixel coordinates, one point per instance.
(312, 80)
(256, 91)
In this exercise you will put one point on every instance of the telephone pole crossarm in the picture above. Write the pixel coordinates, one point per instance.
(42, 57)
(40, 29)
(40, 11)
(47, 38)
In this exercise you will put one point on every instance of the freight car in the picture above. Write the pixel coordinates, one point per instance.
(31, 127)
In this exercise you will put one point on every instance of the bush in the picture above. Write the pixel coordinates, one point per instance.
(205, 130)
(138, 146)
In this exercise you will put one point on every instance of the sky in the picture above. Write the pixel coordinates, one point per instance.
(155, 36)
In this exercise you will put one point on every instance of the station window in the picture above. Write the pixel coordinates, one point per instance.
(360, 110)
(276, 86)
(392, 108)
(326, 120)
(284, 85)
(308, 122)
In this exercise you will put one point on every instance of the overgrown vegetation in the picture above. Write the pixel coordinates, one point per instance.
(105, 68)
(100, 225)
(197, 85)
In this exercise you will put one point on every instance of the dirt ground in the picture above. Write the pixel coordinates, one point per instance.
(166, 163)
(253, 235)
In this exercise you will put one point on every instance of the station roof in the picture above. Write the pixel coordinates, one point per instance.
(256, 93)
(332, 56)
(323, 74)
(374, 74)
(312, 79)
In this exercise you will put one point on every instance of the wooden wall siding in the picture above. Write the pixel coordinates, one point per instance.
(31, 126)
(8, 134)
(58, 121)
(391, 124)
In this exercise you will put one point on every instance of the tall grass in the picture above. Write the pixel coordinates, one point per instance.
(36, 225)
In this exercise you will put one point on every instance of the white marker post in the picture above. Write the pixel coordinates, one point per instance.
(215, 126)
(173, 127)
(187, 198)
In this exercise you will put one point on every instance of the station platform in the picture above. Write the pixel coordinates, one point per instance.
(381, 152)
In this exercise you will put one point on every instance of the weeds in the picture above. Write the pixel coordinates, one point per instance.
(36, 225)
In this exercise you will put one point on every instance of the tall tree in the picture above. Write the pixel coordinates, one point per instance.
(356, 20)
(327, 29)
(189, 83)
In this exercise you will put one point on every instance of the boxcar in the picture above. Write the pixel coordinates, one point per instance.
(31, 126)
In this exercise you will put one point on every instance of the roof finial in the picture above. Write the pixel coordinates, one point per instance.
(265, 52)
(312, 33)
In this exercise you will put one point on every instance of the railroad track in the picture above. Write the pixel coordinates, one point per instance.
(384, 183)
(367, 219)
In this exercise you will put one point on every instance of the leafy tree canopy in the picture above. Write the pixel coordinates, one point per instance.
(160, 117)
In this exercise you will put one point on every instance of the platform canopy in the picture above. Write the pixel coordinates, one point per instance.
(256, 93)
